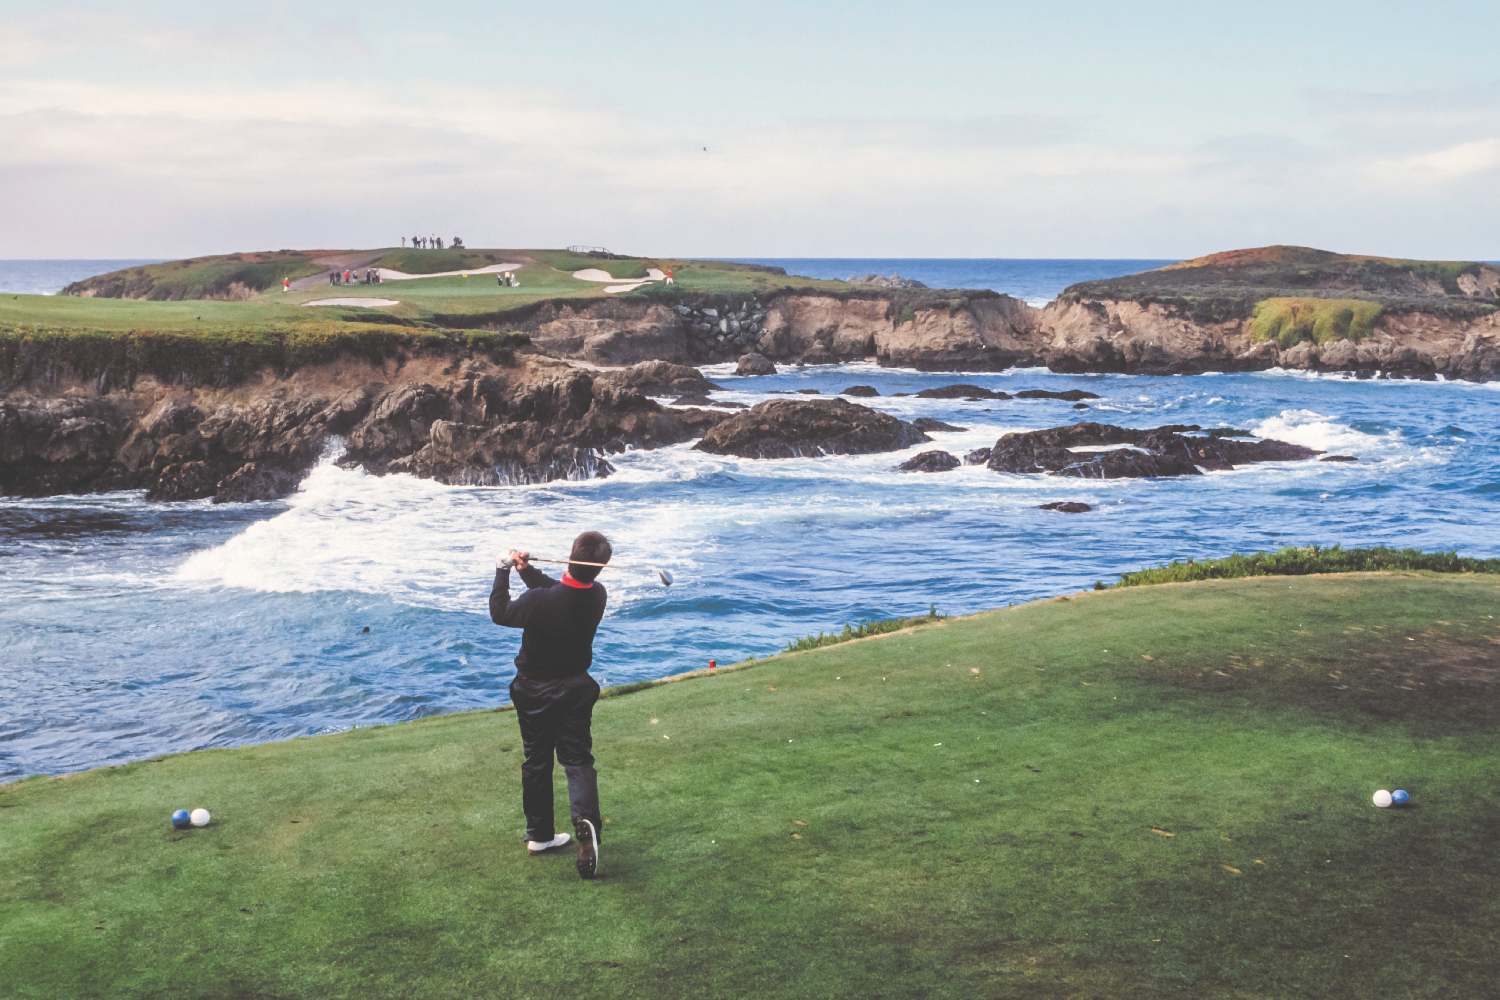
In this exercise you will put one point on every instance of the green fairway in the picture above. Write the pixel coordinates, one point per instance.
(1147, 791)
(188, 296)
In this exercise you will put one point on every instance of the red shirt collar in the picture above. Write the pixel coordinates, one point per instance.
(568, 581)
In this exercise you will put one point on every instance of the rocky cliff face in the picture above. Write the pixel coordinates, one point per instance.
(980, 331)
(1130, 336)
(922, 329)
(469, 420)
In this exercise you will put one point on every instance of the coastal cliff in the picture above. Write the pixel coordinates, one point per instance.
(916, 328)
(1287, 307)
(441, 408)
(1283, 307)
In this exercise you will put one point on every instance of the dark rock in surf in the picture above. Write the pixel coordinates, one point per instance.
(979, 456)
(1163, 451)
(257, 481)
(699, 399)
(1338, 458)
(929, 461)
(755, 364)
(962, 391)
(1071, 395)
(861, 391)
(790, 428)
(933, 424)
(1067, 507)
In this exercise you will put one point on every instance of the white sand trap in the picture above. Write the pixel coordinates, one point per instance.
(621, 284)
(387, 274)
(363, 303)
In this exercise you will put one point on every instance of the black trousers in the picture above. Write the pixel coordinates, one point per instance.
(555, 718)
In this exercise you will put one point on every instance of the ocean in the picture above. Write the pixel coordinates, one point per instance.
(130, 628)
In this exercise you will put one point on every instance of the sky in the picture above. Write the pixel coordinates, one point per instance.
(875, 129)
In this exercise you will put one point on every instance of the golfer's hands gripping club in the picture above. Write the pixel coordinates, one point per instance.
(515, 558)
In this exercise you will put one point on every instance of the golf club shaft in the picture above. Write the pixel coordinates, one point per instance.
(576, 562)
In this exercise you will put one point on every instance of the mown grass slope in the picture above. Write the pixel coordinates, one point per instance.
(1149, 791)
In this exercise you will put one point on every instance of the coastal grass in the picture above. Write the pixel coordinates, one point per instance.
(1150, 791)
(1290, 321)
(1302, 560)
(862, 631)
(236, 275)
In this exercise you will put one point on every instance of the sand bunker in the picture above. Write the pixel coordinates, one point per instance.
(621, 284)
(387, 274)
(362, 303)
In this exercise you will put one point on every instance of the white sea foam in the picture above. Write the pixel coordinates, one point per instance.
(420, 542)
(429, 545)
(1379, 379)
(1312, 429)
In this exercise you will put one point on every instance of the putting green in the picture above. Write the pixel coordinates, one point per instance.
(1155, 791)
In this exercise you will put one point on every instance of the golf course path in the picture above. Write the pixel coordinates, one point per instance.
(336, 262)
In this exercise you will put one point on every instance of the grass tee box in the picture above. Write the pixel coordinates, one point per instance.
(1146, 791)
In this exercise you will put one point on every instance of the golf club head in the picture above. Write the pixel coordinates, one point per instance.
(665, 577)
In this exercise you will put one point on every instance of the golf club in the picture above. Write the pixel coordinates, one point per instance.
(663, 575)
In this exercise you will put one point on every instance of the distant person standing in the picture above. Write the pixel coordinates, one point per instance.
(348, 276)
(333, 277)
(403, 242)
(286, 284)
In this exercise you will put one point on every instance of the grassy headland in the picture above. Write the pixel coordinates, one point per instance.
(1293, 294)
(1154, 791)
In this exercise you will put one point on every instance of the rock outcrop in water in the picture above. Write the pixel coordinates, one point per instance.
(1067, 506)
(1175, 450)
(659, 378)
(755, 364)
(929, 461)
(793, 428)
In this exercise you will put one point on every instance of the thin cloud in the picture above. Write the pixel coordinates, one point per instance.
(1451, 163)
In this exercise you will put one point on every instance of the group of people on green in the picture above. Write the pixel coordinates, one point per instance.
(433, 243)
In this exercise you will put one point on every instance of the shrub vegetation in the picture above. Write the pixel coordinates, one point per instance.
(1289, 321)
(1303, 560)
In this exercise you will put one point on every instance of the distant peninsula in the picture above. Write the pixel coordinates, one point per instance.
(227, 376)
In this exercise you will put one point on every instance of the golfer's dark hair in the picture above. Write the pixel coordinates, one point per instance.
(590, 547)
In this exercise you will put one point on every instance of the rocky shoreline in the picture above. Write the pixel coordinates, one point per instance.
(521, 397)
(471, 421)
(982, 331)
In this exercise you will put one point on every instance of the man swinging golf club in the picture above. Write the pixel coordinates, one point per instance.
(553, 693)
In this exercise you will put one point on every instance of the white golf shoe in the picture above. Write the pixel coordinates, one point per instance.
(543, 846)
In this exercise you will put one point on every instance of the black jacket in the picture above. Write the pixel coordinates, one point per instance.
(559, 622)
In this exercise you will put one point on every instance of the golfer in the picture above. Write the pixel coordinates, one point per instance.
(553, 693)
